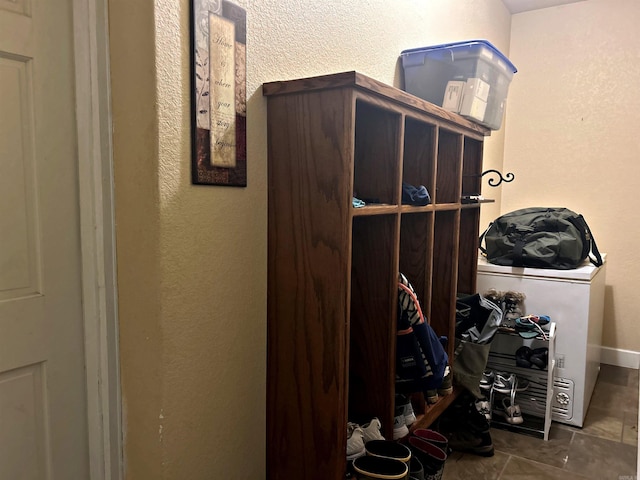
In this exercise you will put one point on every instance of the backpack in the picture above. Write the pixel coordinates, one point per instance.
(540, 237)
(420, 356)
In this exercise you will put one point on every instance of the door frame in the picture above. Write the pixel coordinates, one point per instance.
(97, 238)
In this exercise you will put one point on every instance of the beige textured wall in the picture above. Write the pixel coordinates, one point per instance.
(572, 135)
(192, 259)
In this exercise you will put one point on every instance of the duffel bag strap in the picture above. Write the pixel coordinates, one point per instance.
(481, 239)
(593, 250)
(518, 246)
(596, 253)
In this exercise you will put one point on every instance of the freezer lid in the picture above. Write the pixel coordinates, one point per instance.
(583, 273)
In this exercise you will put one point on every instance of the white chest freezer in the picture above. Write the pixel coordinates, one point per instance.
(574, 299)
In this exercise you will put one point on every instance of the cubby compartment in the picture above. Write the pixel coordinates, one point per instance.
(471, 169)
(448, 167)
(419, 154)
(372, 319)
(468, 257)
(416, 245)
(376, 154)
(444, 275)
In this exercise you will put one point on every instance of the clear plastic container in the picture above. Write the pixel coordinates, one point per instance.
(486, 71)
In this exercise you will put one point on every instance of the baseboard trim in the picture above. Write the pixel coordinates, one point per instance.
(620, 358)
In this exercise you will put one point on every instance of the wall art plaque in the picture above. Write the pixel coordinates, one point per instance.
(219, 93)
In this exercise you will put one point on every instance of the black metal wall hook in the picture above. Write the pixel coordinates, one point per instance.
(494, 182)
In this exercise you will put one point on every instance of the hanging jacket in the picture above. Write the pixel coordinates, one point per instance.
(421, 358)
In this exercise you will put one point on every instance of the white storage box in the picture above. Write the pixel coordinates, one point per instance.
(428, 70)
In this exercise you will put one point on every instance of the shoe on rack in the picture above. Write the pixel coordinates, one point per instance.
(355, 441)
(407, 409)
(530, 326)
(399, 425)
(513, 306)
(371, 430)
(510, 411)
(495, 297)
(528, 319)
(488, 376)
(431, 396)
(507, 383)
(446, 388)
(540, 357)
(523, 357)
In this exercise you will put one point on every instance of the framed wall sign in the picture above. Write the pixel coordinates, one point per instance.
(219, 93)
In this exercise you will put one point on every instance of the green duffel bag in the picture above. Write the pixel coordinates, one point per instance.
(540, 237)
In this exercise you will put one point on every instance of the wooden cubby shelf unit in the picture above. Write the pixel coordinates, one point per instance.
(333, 268)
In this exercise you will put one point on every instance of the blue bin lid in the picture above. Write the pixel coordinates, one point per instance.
(468, 44)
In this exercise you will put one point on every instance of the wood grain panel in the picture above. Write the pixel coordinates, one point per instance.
(355, 79)
(308, 283)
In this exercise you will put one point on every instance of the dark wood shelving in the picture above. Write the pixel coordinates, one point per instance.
(333, 269)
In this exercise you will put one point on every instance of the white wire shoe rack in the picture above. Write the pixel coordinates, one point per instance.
(535, 402)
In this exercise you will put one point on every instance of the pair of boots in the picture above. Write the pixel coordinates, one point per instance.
(467, 429)
(512, 306)
(384, 459)
(430, 452)
(422, 458)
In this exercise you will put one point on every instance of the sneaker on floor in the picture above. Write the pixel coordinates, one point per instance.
(371, 430)
(399, 425)
(355, 441)
(510, 411)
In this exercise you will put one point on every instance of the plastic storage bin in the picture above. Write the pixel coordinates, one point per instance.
(471, 78)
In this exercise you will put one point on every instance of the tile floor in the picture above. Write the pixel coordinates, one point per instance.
(605, 448)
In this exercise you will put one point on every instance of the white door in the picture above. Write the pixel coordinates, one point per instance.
(43, 426)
